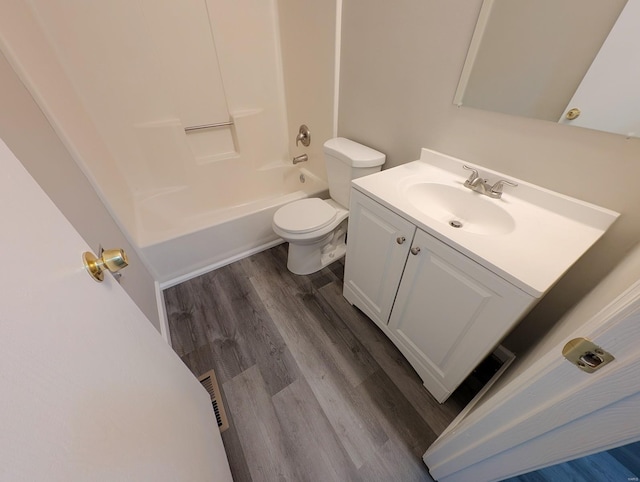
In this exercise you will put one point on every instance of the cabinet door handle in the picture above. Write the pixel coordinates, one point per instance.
(415, 250)
(400, 239)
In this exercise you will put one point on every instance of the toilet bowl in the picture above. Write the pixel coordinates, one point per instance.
(316, 228)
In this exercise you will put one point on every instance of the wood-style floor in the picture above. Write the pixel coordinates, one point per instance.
(314, 391)
(621, 464)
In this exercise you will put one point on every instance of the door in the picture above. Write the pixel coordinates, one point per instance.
(608, 96)
(90, 391)
(449, 313)
(553, 411)
(377, 248)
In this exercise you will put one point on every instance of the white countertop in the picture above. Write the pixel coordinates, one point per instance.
(549, 233)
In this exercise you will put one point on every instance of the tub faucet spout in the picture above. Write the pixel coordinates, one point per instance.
(300, 158)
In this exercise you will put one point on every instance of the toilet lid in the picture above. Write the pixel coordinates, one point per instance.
(304, 215)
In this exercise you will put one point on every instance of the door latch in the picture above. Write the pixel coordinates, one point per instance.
(586, 355)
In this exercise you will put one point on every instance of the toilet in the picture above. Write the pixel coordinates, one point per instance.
(316, 228)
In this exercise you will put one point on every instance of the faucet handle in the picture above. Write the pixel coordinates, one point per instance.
(497, 187)
(473, 176)
(304, 136)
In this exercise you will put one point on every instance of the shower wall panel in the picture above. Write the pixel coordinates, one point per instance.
(147, 69)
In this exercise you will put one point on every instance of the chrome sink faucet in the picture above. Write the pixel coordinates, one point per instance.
(477, 184)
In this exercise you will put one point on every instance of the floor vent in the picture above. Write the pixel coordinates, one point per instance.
(210, 384)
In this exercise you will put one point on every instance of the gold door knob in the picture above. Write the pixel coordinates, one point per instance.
(112, 259)
(573, 113)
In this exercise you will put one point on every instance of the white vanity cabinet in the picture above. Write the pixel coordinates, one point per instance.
(377, 247)
(450, 313)
(446, 267)
(444, 311)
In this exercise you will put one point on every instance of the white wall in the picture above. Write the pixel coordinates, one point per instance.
(400, 66)
(27, 49)
(307, 38)
(29, 135)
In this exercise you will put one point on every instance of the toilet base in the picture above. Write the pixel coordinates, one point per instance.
(309, 258)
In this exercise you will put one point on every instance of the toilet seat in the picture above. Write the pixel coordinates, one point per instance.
(304, 216)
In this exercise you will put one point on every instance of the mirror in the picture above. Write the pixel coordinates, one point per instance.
(541, 58)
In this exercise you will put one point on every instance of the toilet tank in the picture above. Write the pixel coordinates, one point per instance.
(346, 160)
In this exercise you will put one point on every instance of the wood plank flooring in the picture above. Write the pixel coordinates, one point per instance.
(616, 465)
(314, 391)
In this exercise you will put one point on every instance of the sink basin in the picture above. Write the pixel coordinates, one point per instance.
(460, 208)
(529, 237)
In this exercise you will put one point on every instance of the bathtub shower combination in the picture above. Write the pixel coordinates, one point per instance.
(181, 234)
(186, 231)
(178, 112)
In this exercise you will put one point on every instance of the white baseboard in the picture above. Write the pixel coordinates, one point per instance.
(200, 271)
(162, 314)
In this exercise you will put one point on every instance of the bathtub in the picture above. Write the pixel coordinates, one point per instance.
(182, 233)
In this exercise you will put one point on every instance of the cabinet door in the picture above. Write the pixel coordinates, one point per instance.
(449, 313)
(377, 246)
